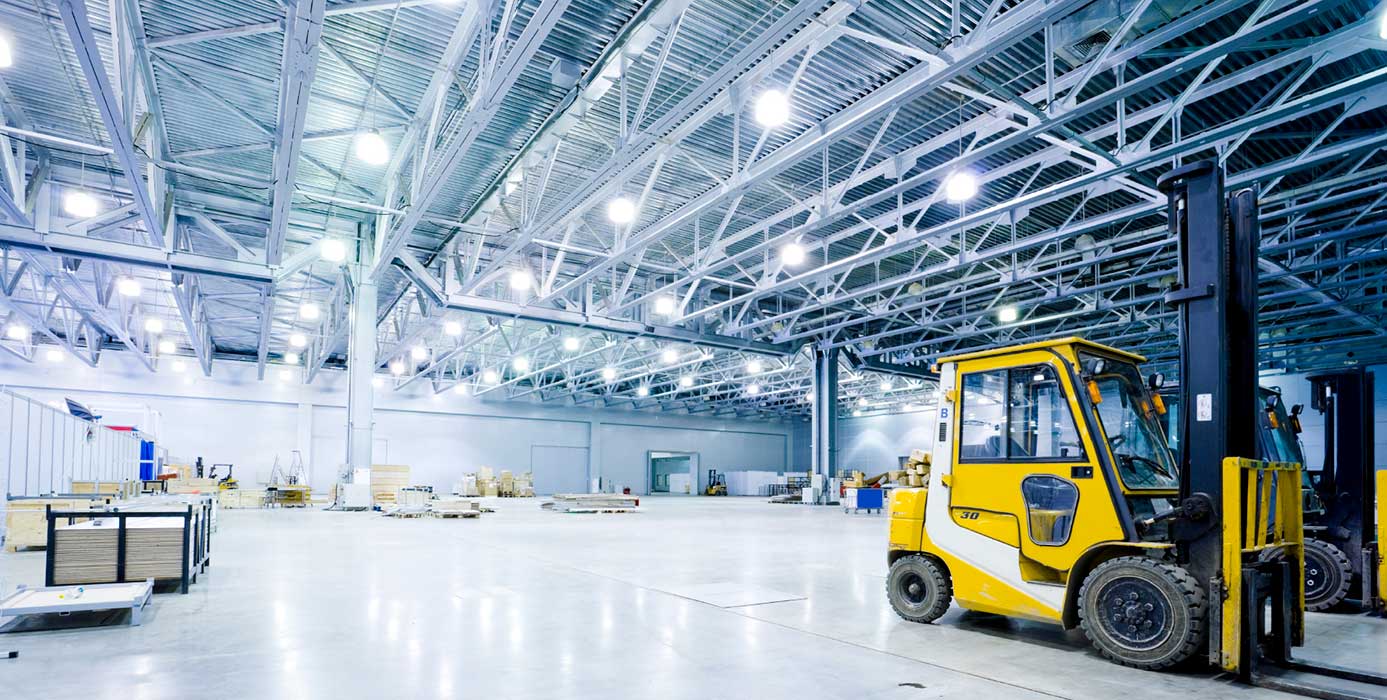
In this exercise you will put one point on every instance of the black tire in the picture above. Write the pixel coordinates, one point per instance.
(1328, 574)
(1143, 613)
(918, 588)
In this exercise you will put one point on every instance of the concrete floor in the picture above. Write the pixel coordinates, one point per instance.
(525, 603)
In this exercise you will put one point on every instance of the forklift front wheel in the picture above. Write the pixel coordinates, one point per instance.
(1142, 612)
(918, 588)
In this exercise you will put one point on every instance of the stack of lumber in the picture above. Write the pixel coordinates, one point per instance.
(86, 552)
(917, 468)
(455, 508)
(25, 525)
(192, 485)
(592, 503)
(386, 481)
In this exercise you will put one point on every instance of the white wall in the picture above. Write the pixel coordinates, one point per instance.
(232, 417)
(874, 444)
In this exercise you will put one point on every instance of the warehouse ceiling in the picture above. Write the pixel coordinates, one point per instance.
(605, 203)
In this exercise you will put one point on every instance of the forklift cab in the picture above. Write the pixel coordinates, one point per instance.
(1051, 473)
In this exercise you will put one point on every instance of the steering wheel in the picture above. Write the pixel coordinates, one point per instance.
(1155, 466)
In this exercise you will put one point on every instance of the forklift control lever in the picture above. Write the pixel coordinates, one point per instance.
(1196, 508)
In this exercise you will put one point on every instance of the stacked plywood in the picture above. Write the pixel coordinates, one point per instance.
(386, 481)
(25, 525)
(592, 503)
(455, 508)
(87, 552)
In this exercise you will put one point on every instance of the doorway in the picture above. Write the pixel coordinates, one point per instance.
(674, 473)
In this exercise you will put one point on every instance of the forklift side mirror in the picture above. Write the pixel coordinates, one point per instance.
(1271, 402)
(1155, 381)
(1096, 366)
(1297, 409)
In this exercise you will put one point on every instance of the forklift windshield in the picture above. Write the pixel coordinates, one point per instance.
(1132, 425)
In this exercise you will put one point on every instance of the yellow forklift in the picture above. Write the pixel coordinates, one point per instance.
(1054, 496)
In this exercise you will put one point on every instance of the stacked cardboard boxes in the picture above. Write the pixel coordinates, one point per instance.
(917, 468)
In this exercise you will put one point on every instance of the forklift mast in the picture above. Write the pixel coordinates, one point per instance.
(1345, 485)
(1216, 297)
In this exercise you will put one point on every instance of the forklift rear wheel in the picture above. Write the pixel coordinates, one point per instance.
(1142, 612)
(1328, 574)
(918, 588)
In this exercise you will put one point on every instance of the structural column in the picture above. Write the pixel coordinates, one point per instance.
(361, 368)
(825, 415)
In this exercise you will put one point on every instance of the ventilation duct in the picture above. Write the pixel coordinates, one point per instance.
(1081, 35)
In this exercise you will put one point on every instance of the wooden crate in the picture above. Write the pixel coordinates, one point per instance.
(242, 498)
(193, 486)
(109, 488)
(24, 522)
(386, 481)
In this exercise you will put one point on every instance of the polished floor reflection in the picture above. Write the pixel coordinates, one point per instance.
(525, 603)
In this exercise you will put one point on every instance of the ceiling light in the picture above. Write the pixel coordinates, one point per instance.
(460, 389)
(686, 381)
(54, 355)
(1007, 314)
(665, 305)
(377, 381)
(286, 375)
(6, 53)
(166, 347)
(128, 287)
(571, 344)
(862, 402)
(1382, 25)
(153, 326)
(332, 250)
(772, 109)
(452, 328)
(856, 414)
(397, 367)
(298, 340)
(885, 385)
(809, 397)
(419, 353)
(178, 366)
(621, 210)
(490, 377)
(609, 373)
(642, 391)
(291, 358)
(915, 288)
(371, 149)
(521, 364)
(960, 187)
(792, 254)
(669, 356)
(754, 367)
(78, 204)
(520, 280)
(753, 389)
(309, 311)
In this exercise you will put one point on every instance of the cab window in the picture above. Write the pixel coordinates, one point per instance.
(1018, 414)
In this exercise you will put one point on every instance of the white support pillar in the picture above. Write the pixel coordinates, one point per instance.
(825, 414)
(361, 367)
